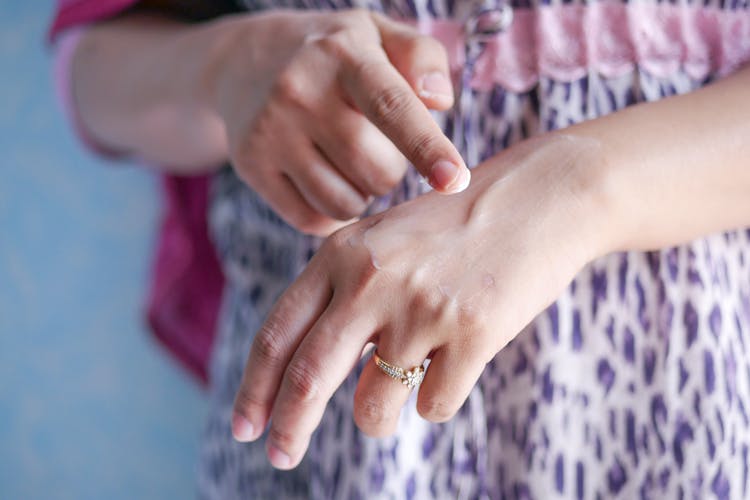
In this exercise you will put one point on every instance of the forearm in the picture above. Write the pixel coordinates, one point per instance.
(672, 170)
(142, 86)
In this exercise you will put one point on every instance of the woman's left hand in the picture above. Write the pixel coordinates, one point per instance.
(446, 278)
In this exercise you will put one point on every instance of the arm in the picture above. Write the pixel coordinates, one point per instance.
(675, 169)
(455, 279)
(140, 87)
(255, 89)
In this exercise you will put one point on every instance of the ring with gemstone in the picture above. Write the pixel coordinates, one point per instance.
(410, 378)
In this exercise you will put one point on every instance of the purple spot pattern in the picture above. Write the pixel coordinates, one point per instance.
(634, 384)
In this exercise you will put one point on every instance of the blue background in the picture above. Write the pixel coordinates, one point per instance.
(90, 406)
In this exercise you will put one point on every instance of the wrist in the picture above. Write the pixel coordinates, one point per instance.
(592, 193)
(215, 64)
(237, 55)
(564, 183)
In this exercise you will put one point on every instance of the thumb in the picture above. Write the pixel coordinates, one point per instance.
(421, 60)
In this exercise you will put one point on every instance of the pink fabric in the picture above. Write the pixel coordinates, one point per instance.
(566, 41)
(66, 45)
(185, 290)
(561, 41)
(187, 283)
(70, 13)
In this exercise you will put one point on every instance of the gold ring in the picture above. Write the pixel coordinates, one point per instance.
(410, 378)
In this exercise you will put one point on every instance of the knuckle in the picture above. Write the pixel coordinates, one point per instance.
(339, 241)
(303, 381)
(346, 244)
(266, 345)
(290, 88)
(423, 145)
(435, 408)
(339, 44)
(430, 302)
(477, 344)
(343, 245)
(473, 320)
(281, 439)
(349, 32)
(389, 105)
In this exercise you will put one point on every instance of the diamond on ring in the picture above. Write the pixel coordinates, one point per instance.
(410, 378)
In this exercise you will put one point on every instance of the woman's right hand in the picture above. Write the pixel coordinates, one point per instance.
(322, 109)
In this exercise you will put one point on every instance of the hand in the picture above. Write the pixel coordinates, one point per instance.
(318, 122)
(450, 279)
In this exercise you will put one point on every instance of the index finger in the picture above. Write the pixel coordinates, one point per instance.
(388, 101)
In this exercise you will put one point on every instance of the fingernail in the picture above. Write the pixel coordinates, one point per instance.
(449, 177)
(436, 85)
(278, 458)
(242, 429)
(463, 181)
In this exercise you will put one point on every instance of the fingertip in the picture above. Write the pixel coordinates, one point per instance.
(381, 432)
(448, 178)
(242, 429)
(435, 103)
(462, 182)
(435, 90)
(286, 456)
(279, 459)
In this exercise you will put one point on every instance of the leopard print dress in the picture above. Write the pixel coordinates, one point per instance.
(635, 383)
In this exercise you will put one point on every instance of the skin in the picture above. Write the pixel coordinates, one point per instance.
(454, 279)
(191, 96)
